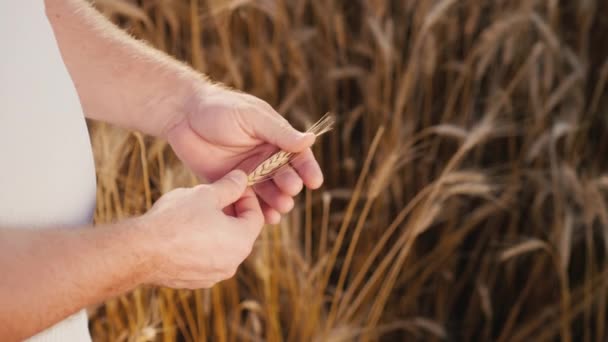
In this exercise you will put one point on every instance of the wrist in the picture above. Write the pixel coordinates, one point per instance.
(194, 89)
(144, 248)
(189, 88)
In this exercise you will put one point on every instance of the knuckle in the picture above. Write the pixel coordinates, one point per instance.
(204, 188)
(207, 191)
(267, 107)
(245, 250)
(200, 190)
(230, 272)
(178, 284)
(220, 269)
(203, 284)
(224, 267)
(284, 126)
(191, 286)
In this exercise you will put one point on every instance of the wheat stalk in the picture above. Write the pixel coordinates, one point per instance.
(273, 164)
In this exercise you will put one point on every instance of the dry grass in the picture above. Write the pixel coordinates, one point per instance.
(466, 179)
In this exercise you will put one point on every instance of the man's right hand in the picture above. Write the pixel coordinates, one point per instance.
(191, 238)
(202, 234)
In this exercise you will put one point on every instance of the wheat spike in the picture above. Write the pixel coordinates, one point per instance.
(269, 167)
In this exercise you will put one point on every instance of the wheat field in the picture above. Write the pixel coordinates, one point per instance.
(466, 176)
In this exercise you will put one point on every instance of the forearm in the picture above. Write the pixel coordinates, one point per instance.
(119, 79)
(48, 275)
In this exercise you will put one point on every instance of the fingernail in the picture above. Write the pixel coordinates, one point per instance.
(238, 176)
(306, 135)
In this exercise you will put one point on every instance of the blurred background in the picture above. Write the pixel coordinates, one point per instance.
(466, 179)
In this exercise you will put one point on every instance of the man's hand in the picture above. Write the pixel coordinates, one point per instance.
(197, 243)
(212, 129)
(223, 129)
(191, 238)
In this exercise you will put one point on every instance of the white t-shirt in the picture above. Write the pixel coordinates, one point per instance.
(47, 174)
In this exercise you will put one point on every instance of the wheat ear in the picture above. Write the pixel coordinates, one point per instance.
(269, 167)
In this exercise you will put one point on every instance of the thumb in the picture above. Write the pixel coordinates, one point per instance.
(230, 188)
(277, 131)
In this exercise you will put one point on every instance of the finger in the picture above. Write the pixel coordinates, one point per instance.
(229, 211)
(308, 168)
(230, 188)
(272, 128)
(288, 181)
(247, 210)
(271, 216)
(275, 198)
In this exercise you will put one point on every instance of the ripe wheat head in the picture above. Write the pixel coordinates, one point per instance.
(269, 167)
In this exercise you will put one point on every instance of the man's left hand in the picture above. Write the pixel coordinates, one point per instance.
(221, 130)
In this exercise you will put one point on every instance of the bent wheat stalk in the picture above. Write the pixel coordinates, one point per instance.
(269, 167)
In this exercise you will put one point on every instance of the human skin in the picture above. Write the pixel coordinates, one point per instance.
(191, 238)
(211, 128)
(186, 240)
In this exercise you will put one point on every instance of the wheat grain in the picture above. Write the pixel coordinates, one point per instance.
(269, 167)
